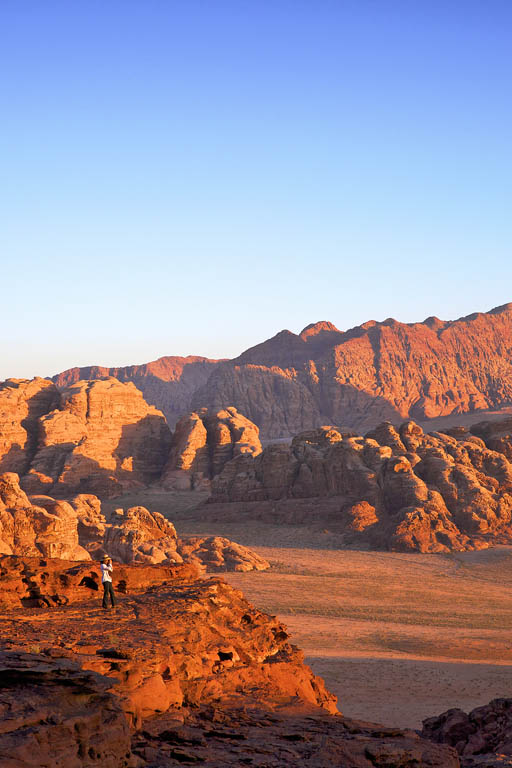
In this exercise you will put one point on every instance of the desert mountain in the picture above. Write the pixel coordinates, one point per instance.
(355, 378)
(169, 382)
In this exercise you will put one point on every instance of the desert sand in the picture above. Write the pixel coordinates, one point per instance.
(397, 637)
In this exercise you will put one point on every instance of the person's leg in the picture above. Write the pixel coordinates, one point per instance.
(112, 595)
(105, 593)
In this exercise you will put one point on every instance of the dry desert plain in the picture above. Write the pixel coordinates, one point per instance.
(398, 637)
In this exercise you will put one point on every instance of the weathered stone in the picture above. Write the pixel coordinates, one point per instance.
(428, 492)
(203, 443)
(103, 439)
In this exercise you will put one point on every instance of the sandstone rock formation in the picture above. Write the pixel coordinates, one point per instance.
(102, 439)
(356, 378)
(37, 582)
(22, 402)
(220, 554)
(41, 526)
(168, 383)
(140, 536)
(203, 443)
(183, 642)
(376, 371)
(482, 738)
(395, 489)
(198, 673)
(78, 530)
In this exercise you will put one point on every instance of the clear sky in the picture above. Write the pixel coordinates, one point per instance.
(192, 176)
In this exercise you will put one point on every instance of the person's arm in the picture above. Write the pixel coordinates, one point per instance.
(109, 566)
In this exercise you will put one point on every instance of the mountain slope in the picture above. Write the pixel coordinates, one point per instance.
(357, 378)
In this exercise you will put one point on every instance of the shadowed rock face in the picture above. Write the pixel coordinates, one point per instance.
(100, 436)
(482, 738)
(169, 382)
(56, 714)
(357, 378)
(194, 670)
(203, 443)
(395, 489)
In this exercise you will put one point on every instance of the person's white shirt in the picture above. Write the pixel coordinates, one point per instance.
(106, 570)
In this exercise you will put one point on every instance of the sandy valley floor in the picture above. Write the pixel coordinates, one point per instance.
(397, 637)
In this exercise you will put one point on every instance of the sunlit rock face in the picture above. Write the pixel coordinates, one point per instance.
(96, 437)
(168, 383)
(203, 443)
(22, 403)
(398, 489)
(376, 371)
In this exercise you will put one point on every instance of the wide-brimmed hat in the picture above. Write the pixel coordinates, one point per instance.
(105, 557)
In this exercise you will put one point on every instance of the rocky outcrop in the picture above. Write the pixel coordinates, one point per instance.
(191, 643)
(140, 536)
(220, 554)
(54, 713)
(36, 582)
(482, 738)
(103, 439)
(22, 403)
(40, 526)
(168, 383)
(497, 435)
(78, 530)
(399, 489)
(200, 676)
(203, 443)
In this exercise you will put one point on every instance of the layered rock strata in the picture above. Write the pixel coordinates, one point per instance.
(203, 443)
(377, 371)
(41, 526)
(169, 383)
(54, 713)
(103, 439)
(398, 489)
(22, 403)
(99, 437)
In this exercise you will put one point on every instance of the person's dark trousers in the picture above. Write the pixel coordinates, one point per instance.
(108, 591)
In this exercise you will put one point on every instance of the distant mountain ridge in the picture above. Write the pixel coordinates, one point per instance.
(354, 378)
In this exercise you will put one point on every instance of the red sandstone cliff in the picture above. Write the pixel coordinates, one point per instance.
(94, 436)
(357, 378)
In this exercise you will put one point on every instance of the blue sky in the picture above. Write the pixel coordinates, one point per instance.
(192, 177)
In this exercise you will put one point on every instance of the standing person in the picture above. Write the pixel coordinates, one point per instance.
(106, 580)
